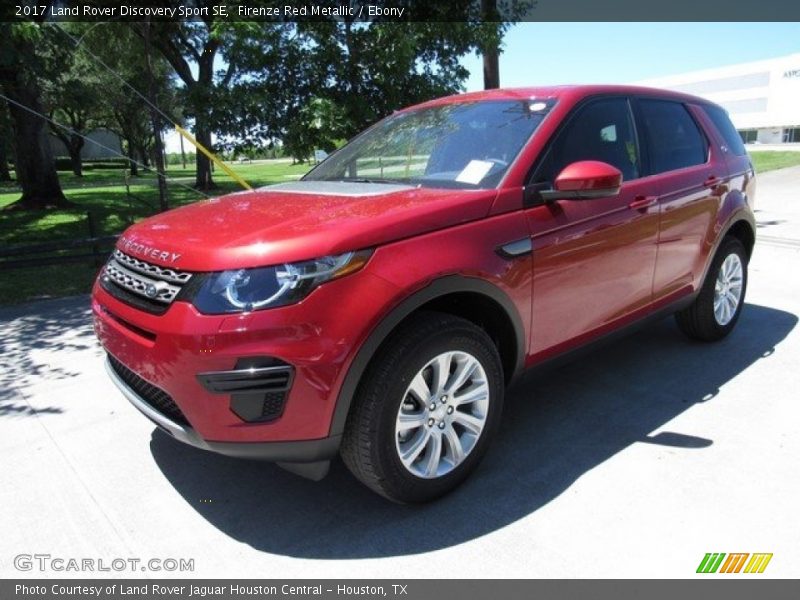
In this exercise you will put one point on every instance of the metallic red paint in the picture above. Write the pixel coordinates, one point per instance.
(250, 229)
(596, 265)
(588, 175)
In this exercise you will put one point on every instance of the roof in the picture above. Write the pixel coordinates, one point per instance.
(574, 92)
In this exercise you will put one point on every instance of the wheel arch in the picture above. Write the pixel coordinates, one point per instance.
(741, 224)
(474, 299)
(744, 231)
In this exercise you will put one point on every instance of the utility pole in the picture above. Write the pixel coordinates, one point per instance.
(154, 119)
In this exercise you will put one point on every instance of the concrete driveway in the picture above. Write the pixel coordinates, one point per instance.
(634, 461)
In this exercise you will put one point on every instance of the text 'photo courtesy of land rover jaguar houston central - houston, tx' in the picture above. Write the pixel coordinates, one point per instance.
(378, 307)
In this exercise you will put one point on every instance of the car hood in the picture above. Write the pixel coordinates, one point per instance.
(297, 221)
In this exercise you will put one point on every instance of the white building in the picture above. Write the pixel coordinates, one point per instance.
(762, 97)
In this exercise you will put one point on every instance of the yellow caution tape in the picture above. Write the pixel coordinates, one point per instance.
(212, 157)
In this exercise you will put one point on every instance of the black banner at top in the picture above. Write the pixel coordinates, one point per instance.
(403, 10)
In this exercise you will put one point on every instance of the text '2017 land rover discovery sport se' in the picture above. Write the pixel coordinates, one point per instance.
(379, 306)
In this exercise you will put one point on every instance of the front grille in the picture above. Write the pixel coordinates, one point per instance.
(154, 396)
(144, 285)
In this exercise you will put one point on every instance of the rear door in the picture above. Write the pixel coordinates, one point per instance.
(689, 176)
(593, 259)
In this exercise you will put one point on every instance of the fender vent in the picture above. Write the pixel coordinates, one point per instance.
(258, 387)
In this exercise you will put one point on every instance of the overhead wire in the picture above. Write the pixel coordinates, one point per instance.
(122, 80)
(211, 156)
(95, 142)
(169, 119)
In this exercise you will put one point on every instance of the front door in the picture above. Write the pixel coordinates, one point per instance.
(593, 260)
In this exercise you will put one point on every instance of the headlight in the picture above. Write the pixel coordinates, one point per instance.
(244, 290)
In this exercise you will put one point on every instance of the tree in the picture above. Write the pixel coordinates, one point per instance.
(272, 97)
(5, 146)
(123, 111)
(256, 94)
(158, 150)
(20, 67)
(368, 70)
(491, 45)
(74, 95)
(312, 84)
(188, 44)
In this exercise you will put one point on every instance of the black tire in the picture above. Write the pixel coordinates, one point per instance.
(698, 321)
(369, 443)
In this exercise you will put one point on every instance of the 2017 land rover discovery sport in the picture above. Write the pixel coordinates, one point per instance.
(379, 306)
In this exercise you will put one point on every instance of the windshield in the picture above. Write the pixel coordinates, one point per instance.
(468, 144)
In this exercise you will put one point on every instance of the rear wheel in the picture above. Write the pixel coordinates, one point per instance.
(426, 409)
(715, 311)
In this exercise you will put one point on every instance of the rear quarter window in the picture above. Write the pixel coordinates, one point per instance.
(726, 129)
(673, 139)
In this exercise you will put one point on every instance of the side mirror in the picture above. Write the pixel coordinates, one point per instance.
(584, 180)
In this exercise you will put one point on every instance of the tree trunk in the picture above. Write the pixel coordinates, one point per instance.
(35, 167)
(74, 149)
(158, 151)
(491, 69)
(491, 49)
(158, 161)
(203, 179)
(183, 153)
(132, 164)
(198, 90)
(5, 174)
(144, 154)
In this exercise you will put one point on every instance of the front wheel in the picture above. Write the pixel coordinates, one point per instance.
(426, 409)
(715, 311)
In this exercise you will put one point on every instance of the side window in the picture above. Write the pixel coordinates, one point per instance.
(602, 130)
(673, 139)
(726, 129)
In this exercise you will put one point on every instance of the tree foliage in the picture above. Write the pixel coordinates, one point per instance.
(122, 110)
(306, 85)
(24, 48)
(192, 48)
(312, 84)
(73, 94)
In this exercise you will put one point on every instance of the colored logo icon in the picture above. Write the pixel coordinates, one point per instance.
(717, 562)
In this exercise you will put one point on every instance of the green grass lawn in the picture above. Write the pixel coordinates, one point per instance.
(771, 160)
(103, 192)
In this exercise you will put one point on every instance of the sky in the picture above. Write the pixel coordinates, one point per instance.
(557, 53)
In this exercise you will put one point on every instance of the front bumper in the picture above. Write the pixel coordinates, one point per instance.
(306, 451)
(195, 361)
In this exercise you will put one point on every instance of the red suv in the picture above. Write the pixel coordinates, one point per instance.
(379, 306)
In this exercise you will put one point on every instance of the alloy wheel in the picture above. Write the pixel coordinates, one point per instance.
(728, 289)
(442, 414)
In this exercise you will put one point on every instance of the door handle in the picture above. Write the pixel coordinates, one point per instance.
(711, 181)
(642, 202)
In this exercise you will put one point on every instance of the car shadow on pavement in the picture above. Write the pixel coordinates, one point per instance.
(36, 344)
(557, 426)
